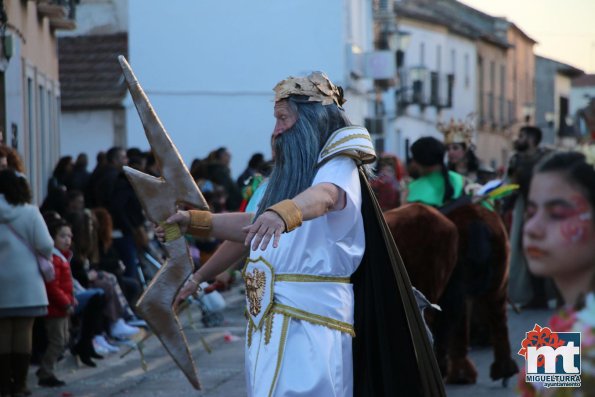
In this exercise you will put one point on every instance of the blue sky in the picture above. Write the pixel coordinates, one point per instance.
(564, 30)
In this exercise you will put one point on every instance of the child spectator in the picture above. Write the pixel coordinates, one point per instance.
(61, 304)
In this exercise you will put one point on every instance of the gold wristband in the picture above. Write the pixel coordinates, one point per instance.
(196, 283)
(201, 223)
(289, 212)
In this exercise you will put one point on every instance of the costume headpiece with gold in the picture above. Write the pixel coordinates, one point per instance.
(457, 132)
(316, 86)
(588, 150)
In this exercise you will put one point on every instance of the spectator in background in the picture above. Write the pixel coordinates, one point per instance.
(9, 158)
(57, 186)
(385, 185)
(152, 167)
(61, 304)
(524, 287)
(137, 159)
(80, 175)
(255, 164)
(103, 184)
(90, 302)
(219, 172)
(75, 201)
(22, 291)
(85, 253)
(108, 259)
(199, 172)
(129, 232)
(90, 190)
(3, 158)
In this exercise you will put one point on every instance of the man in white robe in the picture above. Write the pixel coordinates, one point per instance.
(305, 241)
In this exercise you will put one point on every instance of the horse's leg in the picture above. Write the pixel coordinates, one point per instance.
(461, 369)
(495, 303)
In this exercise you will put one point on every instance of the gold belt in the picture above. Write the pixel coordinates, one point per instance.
(289, 311)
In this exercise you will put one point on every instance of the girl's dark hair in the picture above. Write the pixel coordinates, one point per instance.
(55, 225)
(84, 233)
(575, 169)
(472, 161)
(14, 187)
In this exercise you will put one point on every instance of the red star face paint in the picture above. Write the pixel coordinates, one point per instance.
(576, 220)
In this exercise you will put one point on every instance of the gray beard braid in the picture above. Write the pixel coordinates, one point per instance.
(296, 156)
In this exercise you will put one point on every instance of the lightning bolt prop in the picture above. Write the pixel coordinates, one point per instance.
(159, 198)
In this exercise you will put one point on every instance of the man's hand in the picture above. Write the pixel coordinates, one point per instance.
(182, 218)
(189, 288)
(267, 225)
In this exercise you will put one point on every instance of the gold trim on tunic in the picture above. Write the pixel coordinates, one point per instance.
(313, 318)
(254, 299)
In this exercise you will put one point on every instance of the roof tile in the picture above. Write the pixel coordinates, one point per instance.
(90, 75)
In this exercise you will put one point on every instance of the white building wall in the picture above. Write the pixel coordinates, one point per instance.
(100, 17)
(86, 131)
(32, 101)
(433, 47)
(562, 87)
(580, 97)
(210, 73)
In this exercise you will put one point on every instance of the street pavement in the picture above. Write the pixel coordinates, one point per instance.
(222, 371)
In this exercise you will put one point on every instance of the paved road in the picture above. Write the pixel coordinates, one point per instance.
(221, 372)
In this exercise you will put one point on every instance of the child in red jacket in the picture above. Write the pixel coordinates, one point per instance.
(61, 303)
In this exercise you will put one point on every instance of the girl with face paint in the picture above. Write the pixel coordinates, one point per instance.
(559, 231)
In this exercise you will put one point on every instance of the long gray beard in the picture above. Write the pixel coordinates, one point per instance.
(296, 157)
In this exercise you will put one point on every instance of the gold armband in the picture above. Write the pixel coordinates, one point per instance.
(201, 223)
(289, 212)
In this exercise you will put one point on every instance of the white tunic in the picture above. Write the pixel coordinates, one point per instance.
(308, 359)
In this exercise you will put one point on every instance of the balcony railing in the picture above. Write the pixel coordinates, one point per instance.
(61, 13)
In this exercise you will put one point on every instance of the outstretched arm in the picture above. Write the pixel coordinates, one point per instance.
(227, 226)
(311, 203)
(227, 254)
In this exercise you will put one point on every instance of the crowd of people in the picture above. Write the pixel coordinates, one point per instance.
(92, 227)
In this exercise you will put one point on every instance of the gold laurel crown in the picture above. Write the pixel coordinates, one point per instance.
(316, 86)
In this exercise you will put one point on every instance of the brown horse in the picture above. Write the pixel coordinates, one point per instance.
(419, 231)
(451, 259)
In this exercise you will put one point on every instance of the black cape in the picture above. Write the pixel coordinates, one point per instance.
(392, 355)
